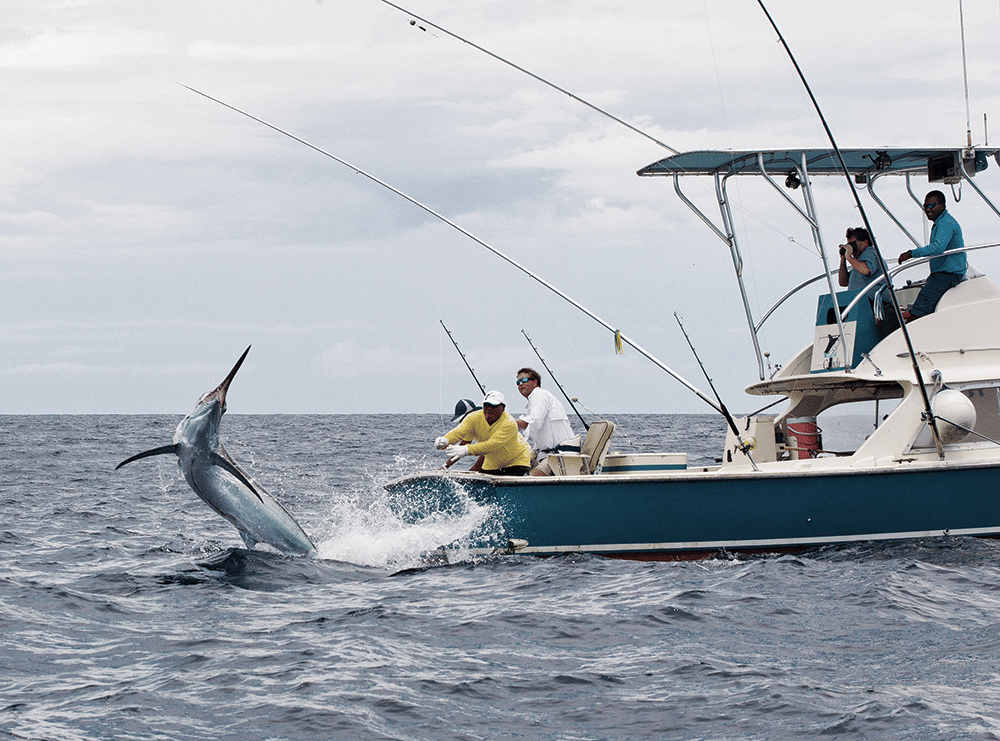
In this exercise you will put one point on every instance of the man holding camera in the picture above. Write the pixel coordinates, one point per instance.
(858, 264)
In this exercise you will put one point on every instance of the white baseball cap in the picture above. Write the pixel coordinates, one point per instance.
(493, 398)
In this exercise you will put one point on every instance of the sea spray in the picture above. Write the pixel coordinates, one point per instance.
(370, 526)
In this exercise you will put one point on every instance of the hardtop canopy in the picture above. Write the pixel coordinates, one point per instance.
(871, 161)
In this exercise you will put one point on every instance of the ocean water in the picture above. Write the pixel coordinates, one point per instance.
(130, 610)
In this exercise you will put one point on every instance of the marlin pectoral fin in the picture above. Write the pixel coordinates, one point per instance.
(227, 465)
(155, 451)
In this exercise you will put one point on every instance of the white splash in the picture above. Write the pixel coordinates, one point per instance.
(366, 527)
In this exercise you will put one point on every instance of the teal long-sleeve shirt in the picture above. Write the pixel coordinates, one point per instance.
(946, 234)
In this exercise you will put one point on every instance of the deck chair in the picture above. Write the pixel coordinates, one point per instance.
(591, 456)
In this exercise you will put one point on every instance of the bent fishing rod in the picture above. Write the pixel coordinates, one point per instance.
(464, 359)
(531, 74)
(555, 380)
(653, 359)
(878, 253)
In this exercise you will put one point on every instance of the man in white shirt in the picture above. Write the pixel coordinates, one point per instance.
(544, 419)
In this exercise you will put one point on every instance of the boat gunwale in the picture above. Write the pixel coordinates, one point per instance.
(915, 463)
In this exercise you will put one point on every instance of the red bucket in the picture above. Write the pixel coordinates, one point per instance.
(804, 438)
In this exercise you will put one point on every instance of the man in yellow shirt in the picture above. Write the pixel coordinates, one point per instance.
(497, 438)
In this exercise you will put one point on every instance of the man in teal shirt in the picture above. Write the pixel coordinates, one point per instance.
(947, 271)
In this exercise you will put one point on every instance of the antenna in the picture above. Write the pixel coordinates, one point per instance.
(965, 76)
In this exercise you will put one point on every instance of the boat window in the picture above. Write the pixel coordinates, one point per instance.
(987, 404)
(843, 432)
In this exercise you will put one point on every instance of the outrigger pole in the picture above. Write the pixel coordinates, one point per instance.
(658, 363)
(553, 376)
(530, 74)
(464, 359)
(929, 413)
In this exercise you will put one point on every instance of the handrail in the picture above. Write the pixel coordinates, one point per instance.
(910, 263)
(874, 284)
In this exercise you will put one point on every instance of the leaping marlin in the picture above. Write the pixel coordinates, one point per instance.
(222, 484)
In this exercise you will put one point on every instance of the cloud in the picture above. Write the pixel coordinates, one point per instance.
(147, 233)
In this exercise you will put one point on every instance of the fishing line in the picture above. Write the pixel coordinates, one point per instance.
(871, 232)
(632, 128)
(620, 429)
(586, 366)
(542, 80)
(440, 381)
(744, 213)
(729, 137)
(642, 351)
(661, 293)
(511, 78)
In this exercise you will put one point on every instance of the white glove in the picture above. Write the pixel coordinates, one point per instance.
(441, 443)
(457, 451)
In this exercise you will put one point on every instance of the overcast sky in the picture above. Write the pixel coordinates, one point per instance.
(148, 235)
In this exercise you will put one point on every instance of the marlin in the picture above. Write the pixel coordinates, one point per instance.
(222, 484)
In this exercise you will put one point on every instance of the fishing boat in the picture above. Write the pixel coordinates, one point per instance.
(928, 469)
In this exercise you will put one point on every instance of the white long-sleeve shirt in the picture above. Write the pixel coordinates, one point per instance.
(548, 424)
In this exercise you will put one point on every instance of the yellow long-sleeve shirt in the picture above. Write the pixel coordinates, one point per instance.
(500, 442)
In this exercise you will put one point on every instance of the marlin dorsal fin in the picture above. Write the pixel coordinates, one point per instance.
(155, 451)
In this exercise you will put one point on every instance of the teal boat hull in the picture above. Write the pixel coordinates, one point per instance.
(699, 515)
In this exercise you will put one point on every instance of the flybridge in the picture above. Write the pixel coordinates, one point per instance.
(794, 167)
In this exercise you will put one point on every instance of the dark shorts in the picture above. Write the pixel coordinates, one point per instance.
(935, 287)
(508, 471)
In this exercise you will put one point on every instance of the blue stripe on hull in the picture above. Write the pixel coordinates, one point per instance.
(754, 512)
(644, 468)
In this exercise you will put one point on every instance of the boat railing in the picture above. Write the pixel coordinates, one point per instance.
(875, 285)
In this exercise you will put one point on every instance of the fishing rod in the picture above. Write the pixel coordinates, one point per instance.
(745, 445)
(464, 359)
(928, 412)
(452, 461)
(553, 377)
(530, 74)
(658, 363)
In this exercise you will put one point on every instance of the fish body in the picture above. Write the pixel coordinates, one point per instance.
(225, 487)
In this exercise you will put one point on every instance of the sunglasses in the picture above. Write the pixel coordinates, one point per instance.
(522, 380)
(931, 206)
